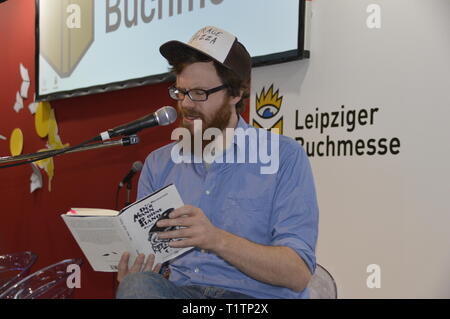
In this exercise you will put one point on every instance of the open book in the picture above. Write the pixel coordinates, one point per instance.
(103, 234)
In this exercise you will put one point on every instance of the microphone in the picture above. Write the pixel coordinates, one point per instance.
(137, 166)
(164, 116)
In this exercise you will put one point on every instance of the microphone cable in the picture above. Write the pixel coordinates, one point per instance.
(116, 206)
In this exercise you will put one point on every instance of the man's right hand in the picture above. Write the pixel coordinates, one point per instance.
(137, 266)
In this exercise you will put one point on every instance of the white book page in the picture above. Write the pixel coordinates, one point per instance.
(102, 240)
(92, 212)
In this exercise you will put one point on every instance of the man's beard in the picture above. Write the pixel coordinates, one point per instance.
(220, 121)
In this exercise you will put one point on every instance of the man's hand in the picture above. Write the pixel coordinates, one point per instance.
(275, 265)
(137, 266)
(196, 229)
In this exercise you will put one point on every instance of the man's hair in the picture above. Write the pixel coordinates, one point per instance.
(229, 78)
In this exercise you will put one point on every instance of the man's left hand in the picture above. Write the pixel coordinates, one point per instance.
(196, 229)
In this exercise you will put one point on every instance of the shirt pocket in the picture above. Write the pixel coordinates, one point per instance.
(247, 217)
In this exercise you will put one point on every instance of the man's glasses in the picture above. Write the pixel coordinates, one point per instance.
(196, 95)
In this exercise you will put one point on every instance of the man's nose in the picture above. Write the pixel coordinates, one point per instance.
(187, 103)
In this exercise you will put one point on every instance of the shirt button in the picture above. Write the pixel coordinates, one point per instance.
(196, 270)
(208, 192)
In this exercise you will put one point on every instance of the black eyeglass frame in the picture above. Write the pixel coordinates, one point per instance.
(207, 93)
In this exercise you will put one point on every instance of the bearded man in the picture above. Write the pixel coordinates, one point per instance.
(254, 234)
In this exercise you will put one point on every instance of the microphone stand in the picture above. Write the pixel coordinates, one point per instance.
(128, 201)
(126, 141)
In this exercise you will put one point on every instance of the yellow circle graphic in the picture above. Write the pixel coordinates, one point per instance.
(16, 142)
(41, 119)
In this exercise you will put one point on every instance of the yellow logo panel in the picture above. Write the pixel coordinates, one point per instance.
(276, 128)
(66, 32)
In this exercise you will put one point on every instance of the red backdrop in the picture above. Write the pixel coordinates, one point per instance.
(31, 221)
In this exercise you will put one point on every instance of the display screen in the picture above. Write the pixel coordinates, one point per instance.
(85, 46)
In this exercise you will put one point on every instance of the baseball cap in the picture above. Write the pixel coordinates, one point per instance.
(216, 44)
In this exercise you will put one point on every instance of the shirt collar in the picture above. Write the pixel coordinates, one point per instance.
(244, 126)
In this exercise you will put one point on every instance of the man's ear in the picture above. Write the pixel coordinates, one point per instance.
(235, 99)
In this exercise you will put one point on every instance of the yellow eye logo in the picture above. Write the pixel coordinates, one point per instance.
(268, 104)
(267, 107)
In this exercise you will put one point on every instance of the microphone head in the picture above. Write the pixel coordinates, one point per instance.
(166, 115)
(137, 166)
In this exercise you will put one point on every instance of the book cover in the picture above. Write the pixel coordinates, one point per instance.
(103, 235)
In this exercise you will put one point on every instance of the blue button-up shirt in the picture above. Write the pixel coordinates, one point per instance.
(278, 209)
